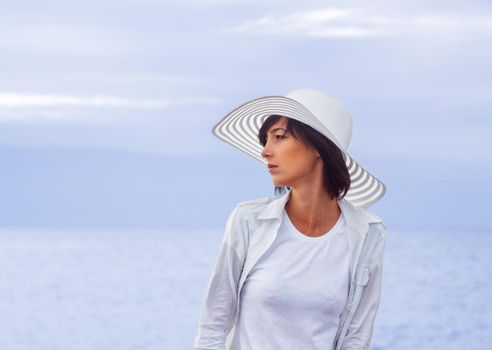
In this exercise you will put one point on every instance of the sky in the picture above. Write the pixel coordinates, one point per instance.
(106, 107)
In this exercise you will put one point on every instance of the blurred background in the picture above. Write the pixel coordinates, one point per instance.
(115, 193)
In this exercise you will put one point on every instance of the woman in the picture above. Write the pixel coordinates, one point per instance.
(301, 270)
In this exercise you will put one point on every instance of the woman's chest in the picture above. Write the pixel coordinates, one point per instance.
(295, 274)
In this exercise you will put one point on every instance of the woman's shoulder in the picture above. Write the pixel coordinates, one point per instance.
(375, 220)
(369, 214)
(255, 201)
(243, 217)
(252, 206)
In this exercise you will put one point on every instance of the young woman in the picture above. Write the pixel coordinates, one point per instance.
(300, 270)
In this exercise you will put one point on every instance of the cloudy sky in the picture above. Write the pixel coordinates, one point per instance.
(106, 107)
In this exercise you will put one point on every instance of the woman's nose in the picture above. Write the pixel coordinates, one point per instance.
(265, 152)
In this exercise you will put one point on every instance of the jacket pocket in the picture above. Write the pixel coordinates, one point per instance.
(362, 276)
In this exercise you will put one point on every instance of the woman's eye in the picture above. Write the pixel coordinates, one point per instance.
(279, 136)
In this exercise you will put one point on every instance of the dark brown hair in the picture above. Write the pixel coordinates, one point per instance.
(336, 177)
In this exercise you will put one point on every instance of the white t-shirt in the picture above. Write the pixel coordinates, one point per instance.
(294, 295)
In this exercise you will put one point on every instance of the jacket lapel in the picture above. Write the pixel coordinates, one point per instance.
(357, 224)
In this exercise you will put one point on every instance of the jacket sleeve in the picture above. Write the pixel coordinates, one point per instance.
(360, 330)
(219, 304)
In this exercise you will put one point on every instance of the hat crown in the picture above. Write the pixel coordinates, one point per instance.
(329, 111)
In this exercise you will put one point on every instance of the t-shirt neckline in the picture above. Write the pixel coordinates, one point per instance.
(299, 235)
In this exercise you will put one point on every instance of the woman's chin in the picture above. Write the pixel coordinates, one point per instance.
(278, 183)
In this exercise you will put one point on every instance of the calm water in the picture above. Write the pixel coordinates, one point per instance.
(143, 289)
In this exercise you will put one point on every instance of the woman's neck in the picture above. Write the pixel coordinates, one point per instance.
(312, 211)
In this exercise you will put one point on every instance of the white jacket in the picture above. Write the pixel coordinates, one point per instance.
(250, 230)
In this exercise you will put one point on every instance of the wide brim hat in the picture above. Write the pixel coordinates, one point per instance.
(322, 112)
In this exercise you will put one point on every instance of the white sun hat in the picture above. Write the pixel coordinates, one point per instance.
(322, 112)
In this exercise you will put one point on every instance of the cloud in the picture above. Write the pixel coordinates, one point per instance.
(65, 39)
(35, 105)
(359, 22)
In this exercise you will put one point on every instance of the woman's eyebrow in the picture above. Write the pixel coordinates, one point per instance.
(273, 130)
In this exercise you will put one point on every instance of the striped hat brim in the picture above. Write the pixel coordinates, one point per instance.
(240, 128)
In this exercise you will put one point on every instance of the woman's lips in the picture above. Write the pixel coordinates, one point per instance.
(272, 168)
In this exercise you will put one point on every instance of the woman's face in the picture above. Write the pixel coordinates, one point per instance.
(294, 161)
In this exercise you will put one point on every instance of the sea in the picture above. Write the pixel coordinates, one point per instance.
(142, 289)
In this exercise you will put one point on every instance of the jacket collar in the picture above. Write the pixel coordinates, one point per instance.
(357, 218)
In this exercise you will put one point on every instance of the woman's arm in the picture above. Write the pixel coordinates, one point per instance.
(219, 304)
(360, 330)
